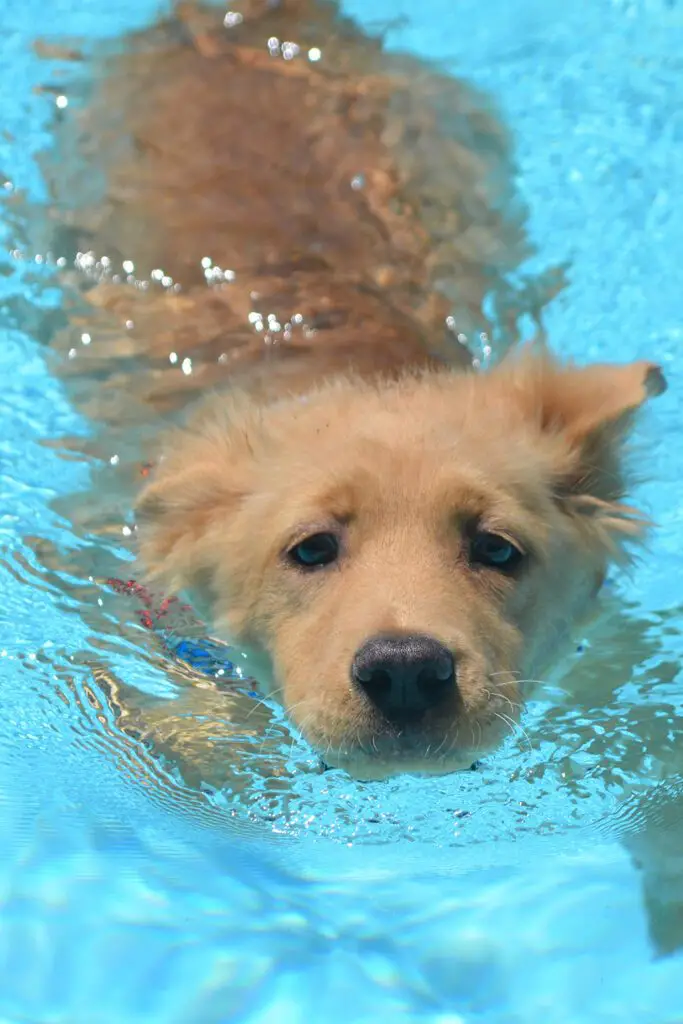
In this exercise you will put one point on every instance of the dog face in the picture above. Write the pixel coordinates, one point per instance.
(396, 560)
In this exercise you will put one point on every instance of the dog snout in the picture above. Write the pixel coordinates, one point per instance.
(404, 675)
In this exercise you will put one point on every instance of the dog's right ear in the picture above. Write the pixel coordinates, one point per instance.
(198, 484)
(589, 412)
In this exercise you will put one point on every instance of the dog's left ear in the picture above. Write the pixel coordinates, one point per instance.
(590, 410)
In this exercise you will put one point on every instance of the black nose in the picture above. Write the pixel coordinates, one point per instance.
(404, 675)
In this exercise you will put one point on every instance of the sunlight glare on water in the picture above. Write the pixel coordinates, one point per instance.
(498, 895)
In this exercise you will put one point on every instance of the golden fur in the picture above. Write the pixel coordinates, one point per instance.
(341, 209)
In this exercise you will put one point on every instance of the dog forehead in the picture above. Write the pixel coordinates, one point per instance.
(417, 439)
(401, 429)
(426, 410)
(363, 476)
(337, 424)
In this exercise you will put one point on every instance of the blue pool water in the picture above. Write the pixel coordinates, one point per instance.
(499, 896)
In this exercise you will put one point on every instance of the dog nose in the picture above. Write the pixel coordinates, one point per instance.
(404, 675)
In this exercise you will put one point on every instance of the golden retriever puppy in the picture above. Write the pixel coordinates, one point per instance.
(266, 208)
(270, 208)
(396, 557)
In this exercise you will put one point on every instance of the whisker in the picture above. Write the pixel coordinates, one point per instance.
(545, 684)
(262, 701)
(514, 727)
(441, 745)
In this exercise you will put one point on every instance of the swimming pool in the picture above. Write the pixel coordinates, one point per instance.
(500, 895)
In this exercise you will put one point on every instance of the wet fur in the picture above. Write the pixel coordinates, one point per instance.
(349, 204)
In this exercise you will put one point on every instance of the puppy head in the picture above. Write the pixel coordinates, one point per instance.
(396, 559)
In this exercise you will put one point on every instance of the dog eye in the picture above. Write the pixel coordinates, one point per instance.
(315, 551)
(495, 552)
